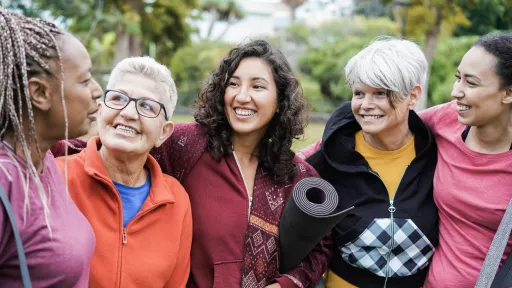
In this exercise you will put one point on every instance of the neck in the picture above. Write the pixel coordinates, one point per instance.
(125, 170)
(36, 157)
(494, 137)
(245, 146)
(389, 140)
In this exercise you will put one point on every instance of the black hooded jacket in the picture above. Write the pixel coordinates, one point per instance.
(365, 252)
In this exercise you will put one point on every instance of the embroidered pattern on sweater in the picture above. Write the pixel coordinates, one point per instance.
(274, 199)
(182, 141)
(251, 282)
(260, 223)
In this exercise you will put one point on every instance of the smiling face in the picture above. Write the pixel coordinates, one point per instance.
(251, 98)
(477, 89)
(373, 111)
(125, 130)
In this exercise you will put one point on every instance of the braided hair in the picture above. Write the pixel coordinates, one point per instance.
(26, 48)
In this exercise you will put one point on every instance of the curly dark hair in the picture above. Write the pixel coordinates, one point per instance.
(274, 149)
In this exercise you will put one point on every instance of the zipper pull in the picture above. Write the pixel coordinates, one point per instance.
(125, 238)
(391, 208)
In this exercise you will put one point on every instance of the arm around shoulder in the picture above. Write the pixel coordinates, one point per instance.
(432, 115)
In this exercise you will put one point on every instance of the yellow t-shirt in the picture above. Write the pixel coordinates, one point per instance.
(390, 165)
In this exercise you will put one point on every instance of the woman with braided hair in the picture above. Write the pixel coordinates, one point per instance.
(46, 95)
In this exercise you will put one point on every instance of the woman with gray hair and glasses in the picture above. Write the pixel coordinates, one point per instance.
(378, 153)
(141, 217)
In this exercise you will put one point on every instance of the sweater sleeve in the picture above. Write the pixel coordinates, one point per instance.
(315, 264)
(178, 155)
(74, 146)
(432, 115)
(181, 271)
(309, 150)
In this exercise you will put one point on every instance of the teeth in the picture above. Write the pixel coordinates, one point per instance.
(371, 116)
(463, 107)
(244, 112)
(126, 129)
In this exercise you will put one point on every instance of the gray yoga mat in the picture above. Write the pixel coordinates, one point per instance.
(309, 215)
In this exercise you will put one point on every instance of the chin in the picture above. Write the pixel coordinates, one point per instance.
(372, 130)
(464, 121)
(119, 145)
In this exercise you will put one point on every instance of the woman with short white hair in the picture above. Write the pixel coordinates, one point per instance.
(141, 217)
(380, 155)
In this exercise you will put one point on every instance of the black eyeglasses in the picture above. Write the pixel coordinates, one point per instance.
(145, 107)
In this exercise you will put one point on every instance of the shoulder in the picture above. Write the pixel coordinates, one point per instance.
(181, 151)
(77, 176)
(184, 131)
(74, 161)
(11, 170)
(440, 115)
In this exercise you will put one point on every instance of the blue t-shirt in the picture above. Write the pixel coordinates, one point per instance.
(132, 198)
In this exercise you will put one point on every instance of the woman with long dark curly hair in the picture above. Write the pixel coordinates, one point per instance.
(238, 168)
(237, 165)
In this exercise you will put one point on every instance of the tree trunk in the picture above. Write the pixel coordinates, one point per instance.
(292, 13)
(231, 20)
(215, 18)
(432, 36)
(126, 44)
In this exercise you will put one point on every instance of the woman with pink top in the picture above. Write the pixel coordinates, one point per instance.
(472, 184)
(45, 87)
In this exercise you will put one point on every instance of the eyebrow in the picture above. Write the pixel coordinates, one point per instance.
(252, 79)
(87, 70)
(467, 75)
(122, 91)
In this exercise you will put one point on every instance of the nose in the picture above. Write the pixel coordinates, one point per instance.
(96, 90)
(130, 111)
(367, 102)
(457, 91)
(243, 95)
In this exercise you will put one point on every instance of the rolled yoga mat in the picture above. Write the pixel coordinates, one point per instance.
(309, 215)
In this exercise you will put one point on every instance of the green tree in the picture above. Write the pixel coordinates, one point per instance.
(136, 23)
(331, 46)
(487, 16)
(192, 65)
(370, 8)
(23, 7)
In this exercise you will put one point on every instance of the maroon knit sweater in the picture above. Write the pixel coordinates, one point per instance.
(258, 247)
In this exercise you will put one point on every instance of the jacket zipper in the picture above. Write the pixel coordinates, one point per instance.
(124, 238)
(245, 184)
(392, 210)
(248, 212)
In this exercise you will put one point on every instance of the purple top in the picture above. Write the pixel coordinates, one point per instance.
(60, 260)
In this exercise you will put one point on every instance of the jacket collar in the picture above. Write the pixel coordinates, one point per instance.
(338, 141)
(159, 192)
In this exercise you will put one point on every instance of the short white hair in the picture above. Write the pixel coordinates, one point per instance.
(389, 63)
(149, 68)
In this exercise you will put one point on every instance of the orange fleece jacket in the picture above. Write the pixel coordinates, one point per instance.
(154, 248)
